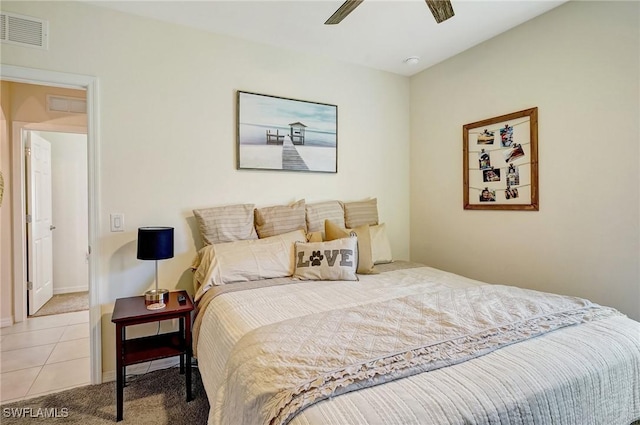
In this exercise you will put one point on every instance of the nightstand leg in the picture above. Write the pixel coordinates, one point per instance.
(120, 337)
(181, 324)
(188, 355)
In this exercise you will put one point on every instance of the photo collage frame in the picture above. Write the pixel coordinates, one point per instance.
(500, 162)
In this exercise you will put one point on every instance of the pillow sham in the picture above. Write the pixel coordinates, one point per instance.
(365, 260)
(319, 212)
(380, 246)
(333, 260)
(256, 259)
(272, 221)
(361, 212)
(226, 224)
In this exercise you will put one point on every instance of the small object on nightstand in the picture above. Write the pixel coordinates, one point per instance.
(182, 299)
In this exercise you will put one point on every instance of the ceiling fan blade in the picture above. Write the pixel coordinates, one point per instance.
(441, 9)
(342, 12)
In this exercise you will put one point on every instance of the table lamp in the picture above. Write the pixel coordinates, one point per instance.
(155, 243)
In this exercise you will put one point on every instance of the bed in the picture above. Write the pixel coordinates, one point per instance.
(399, 342)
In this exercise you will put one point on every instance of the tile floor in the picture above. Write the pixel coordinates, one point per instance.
(49, 354)
(44, 355)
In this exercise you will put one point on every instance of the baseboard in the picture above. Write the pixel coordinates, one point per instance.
(70, 289)
(6, 322)
(109, 376)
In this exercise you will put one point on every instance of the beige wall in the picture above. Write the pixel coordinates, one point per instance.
(167, 132)
(23, 103)
(6, 299)
(29, 104)
(579, 65)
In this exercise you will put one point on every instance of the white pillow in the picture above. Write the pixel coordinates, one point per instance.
(255, 259)
(380, 246)
(334, 260)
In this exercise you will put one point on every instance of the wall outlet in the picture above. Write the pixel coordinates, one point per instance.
(117, 222)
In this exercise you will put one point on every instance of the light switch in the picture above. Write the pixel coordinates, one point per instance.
(117, 222)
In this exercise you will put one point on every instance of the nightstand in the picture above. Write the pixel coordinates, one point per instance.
(133, 311)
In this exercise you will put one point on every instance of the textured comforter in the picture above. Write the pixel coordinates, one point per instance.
(514, 356)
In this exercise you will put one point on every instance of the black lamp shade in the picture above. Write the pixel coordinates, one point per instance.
(155, 243)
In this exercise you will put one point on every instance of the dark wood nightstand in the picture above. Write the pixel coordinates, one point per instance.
(133, 311)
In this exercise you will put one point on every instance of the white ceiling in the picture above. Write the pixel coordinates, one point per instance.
(379, 34)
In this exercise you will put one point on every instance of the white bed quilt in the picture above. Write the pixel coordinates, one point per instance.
(578, 374)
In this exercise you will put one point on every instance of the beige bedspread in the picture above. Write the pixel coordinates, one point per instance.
(268, 353)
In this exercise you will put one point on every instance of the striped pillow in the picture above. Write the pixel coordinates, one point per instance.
(226, 224)
(272, 221)
(319, 212)
(358, 213)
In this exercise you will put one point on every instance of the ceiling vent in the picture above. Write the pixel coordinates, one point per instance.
(24, 30)
(72, 105)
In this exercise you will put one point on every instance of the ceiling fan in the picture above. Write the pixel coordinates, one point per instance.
(441, 10)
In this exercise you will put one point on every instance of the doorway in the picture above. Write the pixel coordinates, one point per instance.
(90, 86)
(57, 269)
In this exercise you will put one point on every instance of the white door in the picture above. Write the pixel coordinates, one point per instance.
(39, 221)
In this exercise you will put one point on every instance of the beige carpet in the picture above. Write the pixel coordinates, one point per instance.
(154, 398)
(64, 303)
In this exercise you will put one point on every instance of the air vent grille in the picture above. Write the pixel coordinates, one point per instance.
(73, 105)
(23, 30)
(3, 27)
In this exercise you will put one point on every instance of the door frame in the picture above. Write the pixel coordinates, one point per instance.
(74, 81)
(20, 265)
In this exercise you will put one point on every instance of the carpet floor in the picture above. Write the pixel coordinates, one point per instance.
(64, 303)
(154, 398)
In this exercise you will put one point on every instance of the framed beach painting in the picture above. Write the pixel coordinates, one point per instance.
(277, 133)
(500, 162)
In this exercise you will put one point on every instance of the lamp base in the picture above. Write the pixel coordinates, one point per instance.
(156, 296)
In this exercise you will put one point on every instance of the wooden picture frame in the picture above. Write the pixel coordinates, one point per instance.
(278, 133)
(500, 162)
